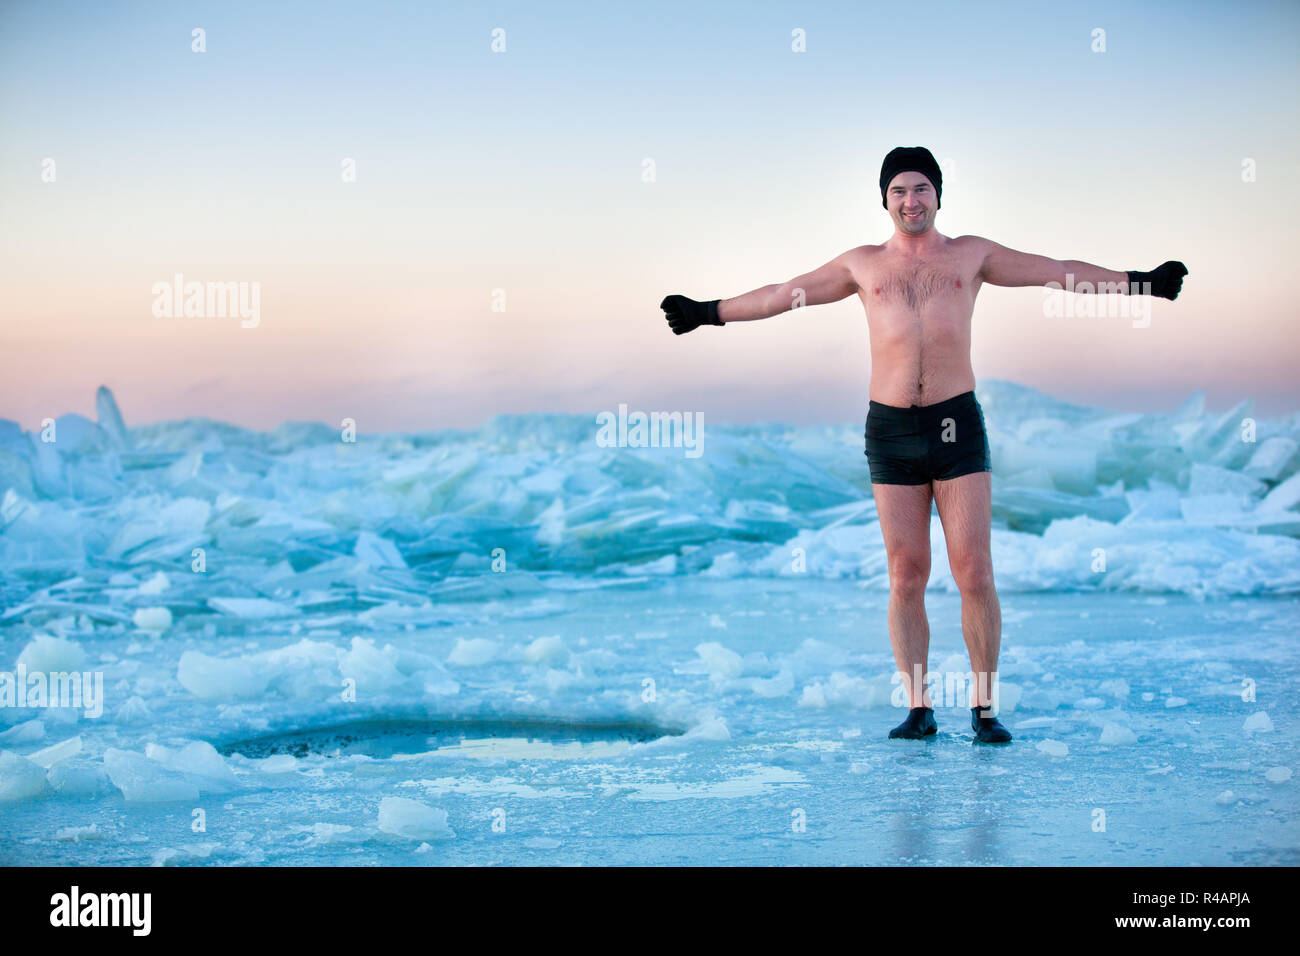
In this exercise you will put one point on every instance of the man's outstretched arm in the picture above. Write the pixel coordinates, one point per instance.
(1007, 267)
(829, 283)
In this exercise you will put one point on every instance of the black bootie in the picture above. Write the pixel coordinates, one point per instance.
(920, 723)
(988, 730)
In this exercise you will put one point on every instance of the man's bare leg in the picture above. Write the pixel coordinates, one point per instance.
(904, 513)
(966, 508)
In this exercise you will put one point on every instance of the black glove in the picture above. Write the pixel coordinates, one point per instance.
(1166, 280)
(685, 315)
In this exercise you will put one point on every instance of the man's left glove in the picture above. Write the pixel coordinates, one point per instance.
(1166, 280)
(685, 315)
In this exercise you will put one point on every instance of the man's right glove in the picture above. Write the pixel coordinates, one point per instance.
(1166, 280)
(685, 315)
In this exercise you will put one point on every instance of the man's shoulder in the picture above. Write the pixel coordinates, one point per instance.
(965, 245)
(955, 241)
(859, 260)
(861, 253)
(972, 242)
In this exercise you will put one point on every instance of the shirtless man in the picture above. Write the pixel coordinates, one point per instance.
(925, 435)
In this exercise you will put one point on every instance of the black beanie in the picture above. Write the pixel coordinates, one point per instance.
(903, 159)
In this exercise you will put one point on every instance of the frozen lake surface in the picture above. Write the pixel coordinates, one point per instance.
(783, 689)
(515, 645)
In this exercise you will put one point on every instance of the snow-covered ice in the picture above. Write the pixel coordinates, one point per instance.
(624, 655)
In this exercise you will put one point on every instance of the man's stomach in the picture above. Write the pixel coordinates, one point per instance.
(919, 359)
(918, 384)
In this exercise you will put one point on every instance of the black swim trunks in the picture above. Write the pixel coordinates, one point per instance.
(913, 446)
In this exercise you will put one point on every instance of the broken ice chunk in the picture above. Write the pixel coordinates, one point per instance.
(372, 669)
(1115, 687)
(134, 711)
(155, 585)
(110, 419)
(78, 834)
(276, 763)
(1271, 458)
(156, 619)
(1114, 735)
(54, 753)
(719, 662)
(413, 820)
(1212, 480)
(20, 778)
(200, 760)
(472, 652)
(546, 650)
(78, 781)
(24, 733)
(213, 678)
(1257, 723)
(378, 552)
(1283, 497)
(142, 780)
(51, 655)
(251, 608)
(149, 532)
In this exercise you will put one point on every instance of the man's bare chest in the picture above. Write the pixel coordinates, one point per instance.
(918, 286)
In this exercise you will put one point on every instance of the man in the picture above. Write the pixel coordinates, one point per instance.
(925, 435)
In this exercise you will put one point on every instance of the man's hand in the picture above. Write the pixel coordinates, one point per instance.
(685, 315)
(1166, 280)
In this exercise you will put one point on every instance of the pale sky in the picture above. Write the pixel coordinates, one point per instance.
(522, 171)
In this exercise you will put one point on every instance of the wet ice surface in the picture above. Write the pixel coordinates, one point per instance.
(784, 689)
(557, 652)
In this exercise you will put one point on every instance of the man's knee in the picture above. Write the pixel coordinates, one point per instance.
(908, 575)
(974, 576)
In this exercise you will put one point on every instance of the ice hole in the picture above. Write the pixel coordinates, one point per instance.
(517, 738)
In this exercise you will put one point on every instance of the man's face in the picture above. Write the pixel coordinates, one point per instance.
(912, 202)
